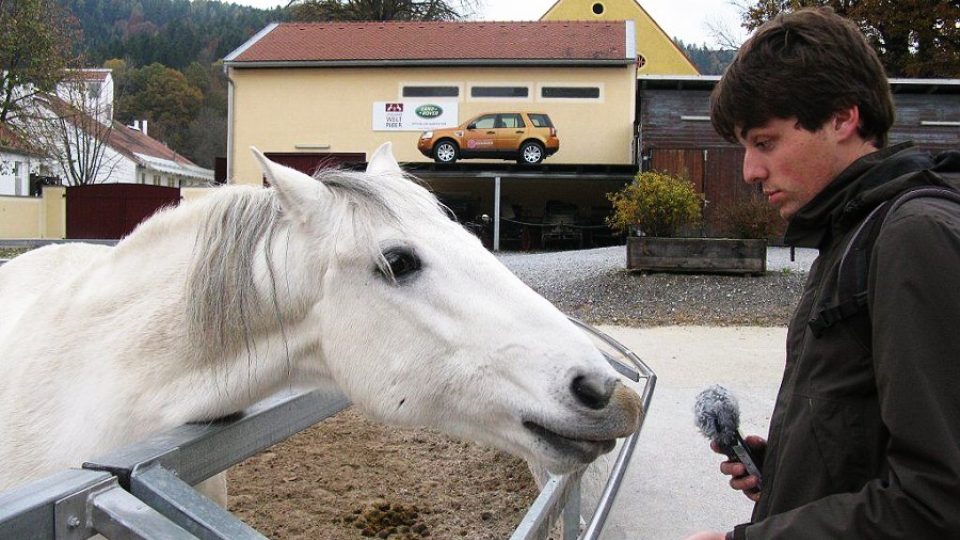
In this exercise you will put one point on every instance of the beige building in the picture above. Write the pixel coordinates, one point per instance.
(316, 88)
(307, 94)
(657, 54)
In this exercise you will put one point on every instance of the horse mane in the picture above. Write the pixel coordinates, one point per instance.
(242, 224)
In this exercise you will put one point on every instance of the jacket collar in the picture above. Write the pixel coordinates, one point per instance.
(863, 185)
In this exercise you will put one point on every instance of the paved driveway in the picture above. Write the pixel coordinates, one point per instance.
(674, 487)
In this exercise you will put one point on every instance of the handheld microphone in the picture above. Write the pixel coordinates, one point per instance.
(717, 415)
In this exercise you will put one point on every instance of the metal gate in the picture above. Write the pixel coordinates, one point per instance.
(112, 211)
(143, 490)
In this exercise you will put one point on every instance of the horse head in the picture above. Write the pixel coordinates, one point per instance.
(419, 324)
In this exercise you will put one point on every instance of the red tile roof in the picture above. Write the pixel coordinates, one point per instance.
(123, 139)
(89, 74)
(11, 139)
(438, 42)
(129, 141)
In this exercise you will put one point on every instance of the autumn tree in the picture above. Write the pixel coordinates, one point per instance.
(73, 126)
(914, 38)
(36, 44)
(207, 133)
(380, 10)
(165, 98)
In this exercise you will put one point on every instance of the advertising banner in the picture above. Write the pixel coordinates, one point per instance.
(414, 115)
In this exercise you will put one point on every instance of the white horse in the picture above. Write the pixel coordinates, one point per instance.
(355, 279)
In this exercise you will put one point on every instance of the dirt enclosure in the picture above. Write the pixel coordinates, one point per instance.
(348, 478)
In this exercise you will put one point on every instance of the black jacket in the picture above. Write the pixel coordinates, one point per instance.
(864, 440)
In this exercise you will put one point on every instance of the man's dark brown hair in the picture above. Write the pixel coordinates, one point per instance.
(808, 64)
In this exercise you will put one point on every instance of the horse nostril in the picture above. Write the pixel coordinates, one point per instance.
(592, 393)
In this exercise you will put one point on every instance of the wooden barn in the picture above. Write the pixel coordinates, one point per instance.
(675, 134)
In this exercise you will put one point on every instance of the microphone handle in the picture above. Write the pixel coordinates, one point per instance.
(744, 454)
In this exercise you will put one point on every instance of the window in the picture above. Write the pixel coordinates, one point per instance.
(486, 122)
(597, 8)
(17, 187)
(574, 92)
(93, 89)
(499, 92)
(431, 91)
(510, 121)
(540, 120)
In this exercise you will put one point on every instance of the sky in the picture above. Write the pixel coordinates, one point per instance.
(689, 20)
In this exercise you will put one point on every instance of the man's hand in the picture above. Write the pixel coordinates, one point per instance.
(707, 535)
(740, 480)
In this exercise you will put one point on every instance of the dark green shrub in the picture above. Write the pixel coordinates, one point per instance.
(655, 204)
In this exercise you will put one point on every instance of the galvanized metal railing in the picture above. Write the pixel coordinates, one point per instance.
(144, 490)
(561, 494)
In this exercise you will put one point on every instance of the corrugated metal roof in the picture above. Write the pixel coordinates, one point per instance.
(707, 82)
(175, 167)
(550, 42)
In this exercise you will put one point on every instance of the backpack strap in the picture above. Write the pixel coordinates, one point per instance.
(853, 270)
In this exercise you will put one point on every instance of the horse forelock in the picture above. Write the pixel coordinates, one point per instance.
(240, 225)
(368, 201)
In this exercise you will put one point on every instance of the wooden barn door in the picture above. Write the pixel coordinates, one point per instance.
(683, 162)
(112, 211)
(715, 172)
(723, 186)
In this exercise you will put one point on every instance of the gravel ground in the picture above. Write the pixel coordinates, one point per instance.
(595, 286)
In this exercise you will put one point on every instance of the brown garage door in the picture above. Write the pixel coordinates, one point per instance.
(112, 211)
(311, 162)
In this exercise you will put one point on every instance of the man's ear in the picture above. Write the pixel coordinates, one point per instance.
(846, 122)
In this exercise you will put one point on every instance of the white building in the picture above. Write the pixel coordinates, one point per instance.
(76, 128)
(90, 90)
(18, 159)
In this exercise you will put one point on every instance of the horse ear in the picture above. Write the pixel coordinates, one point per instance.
(299, 194)
(382, 161)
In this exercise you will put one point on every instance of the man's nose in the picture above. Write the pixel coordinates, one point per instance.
(753, 171)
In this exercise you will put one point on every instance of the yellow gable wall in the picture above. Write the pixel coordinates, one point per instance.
(661, 54)
(278, 109)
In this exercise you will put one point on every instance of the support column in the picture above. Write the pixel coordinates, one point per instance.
(496, 213)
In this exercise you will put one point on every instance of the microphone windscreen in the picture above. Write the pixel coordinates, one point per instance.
(717, 415)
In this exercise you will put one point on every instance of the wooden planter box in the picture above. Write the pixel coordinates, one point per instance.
(707, 255)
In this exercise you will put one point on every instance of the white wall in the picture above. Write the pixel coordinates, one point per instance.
(15, 173)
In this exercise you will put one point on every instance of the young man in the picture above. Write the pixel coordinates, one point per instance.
(864, 439)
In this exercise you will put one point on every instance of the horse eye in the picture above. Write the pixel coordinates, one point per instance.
(403, 263)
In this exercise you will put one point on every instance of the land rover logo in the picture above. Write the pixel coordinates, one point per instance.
(429, 111)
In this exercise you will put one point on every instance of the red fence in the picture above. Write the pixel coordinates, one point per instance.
(112, 211)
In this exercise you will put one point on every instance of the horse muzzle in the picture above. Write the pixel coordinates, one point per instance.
(591, 431)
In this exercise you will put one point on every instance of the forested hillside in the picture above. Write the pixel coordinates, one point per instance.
(171, 32)
(708, 61)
